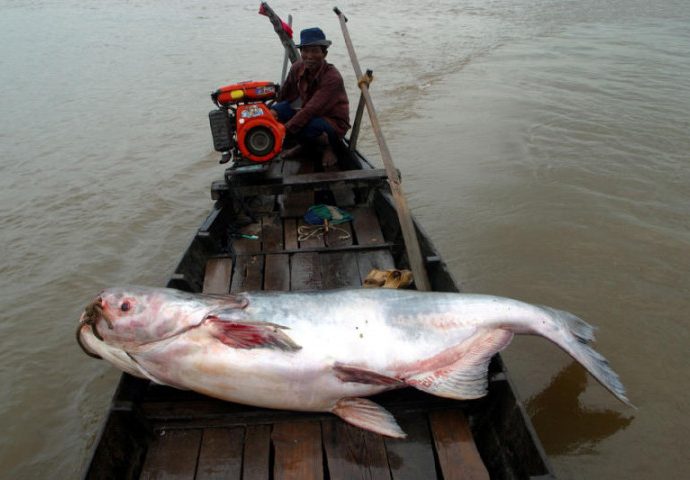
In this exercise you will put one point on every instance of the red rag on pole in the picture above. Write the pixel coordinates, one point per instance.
(286, 28)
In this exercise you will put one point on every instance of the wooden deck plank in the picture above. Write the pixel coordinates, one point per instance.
(220, 456)
(272, 233)
(290, 232)
(353, 453)
(305, 271)
(248, 273)
(217, 275)
(277, 273)
(172, 455)
(257, 451)
(381, 259)
(413, 457)
(339, 270)
(455, 447)
(246, 246)
(313, 241)
(297, 448)
(340, 236)
(367, 227)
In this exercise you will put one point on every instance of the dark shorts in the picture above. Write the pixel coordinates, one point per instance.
(312, 130)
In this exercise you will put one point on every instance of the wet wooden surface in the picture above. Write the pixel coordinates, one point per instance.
(257, 451)
(297, 447)
(217, 276)
(220, 455)
(354, 453)
(457, 452)
(172, 455)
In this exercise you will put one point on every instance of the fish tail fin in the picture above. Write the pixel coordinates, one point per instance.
(574, 335)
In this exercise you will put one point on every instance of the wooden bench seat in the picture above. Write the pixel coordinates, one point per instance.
(320, 179)
(302, 182)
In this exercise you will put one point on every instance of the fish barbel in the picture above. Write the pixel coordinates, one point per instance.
(323, 351)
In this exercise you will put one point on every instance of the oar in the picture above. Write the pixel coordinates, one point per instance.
(414, 253)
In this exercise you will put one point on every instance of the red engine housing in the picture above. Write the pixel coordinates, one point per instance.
(259, 136)
(245, 92)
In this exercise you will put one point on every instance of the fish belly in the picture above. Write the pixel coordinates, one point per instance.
(260, 377)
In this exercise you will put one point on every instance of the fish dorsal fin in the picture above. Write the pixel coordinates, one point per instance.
(249, 334)
(466, 378)
(368, 415)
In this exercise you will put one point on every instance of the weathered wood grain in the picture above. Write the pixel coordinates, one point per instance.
(455, 447)
(248, 274)
(413, 457)
(220, 456)
(277, 272)
(217, 276)
(353, 453)
(297, 448)
(367, 227)
(172, 455)
(305, 271)
(257, 451)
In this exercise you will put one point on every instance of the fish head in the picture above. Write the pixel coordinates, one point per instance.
(131, 317)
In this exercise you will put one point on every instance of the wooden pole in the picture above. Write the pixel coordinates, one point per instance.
(286, 57)
(354, 135)
(414, 254)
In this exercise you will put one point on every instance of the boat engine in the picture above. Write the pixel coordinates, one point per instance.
(242, 126)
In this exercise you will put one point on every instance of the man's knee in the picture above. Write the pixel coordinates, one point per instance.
(319, 132)
(283, 110)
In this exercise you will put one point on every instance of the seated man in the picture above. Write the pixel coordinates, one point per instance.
(324, 116)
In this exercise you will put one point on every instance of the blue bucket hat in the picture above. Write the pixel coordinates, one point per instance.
(313, 36)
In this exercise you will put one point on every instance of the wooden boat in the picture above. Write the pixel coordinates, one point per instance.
(254, 238)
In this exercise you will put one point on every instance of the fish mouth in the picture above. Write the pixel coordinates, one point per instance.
(92, 313)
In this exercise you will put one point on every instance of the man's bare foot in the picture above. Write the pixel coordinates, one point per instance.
(293, 152)
(328, 158)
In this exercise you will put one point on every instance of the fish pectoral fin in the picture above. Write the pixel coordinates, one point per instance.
(248, 334)
(349, 373)
(368, 415)
(466, 378)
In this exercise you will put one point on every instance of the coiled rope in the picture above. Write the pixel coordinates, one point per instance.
(305, 232)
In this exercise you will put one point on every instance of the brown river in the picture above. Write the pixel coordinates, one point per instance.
(544, 146)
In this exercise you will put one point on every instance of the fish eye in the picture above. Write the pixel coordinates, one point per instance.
(125, 306)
